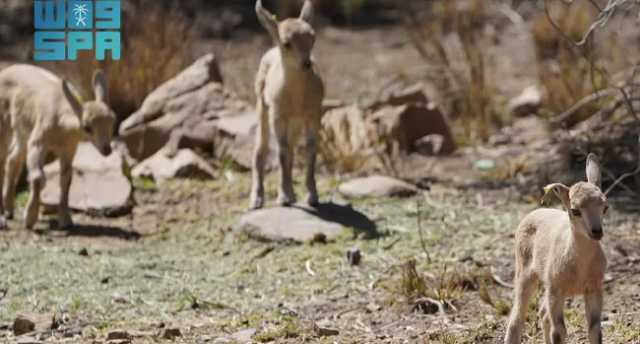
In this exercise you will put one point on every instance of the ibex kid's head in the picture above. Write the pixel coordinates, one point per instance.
(585, 203)
(294, 36)
(96, 117)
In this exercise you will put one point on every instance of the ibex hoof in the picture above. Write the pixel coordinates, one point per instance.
(256, 203)
(65, 221)
(312, 201)
(3, 222)
(30, 220)
(286, 201)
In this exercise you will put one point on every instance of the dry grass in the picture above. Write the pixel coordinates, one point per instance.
(468, 87)
(155, 47)
(337, 159)
(568, 72)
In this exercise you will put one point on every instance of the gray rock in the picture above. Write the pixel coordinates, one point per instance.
(99, 185)
(304, 224)
(23, 324)
(377, 186)
(184, 164)
(187, 106)
(118, 335)
(405, 124)
(244, 336)
(235, 139)
(282, 224)
(527, 103)
(171, 333)
(325, 328)
(26, 323)
(354, 256)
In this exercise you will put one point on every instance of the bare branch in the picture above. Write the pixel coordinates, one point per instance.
(626, 175)
(584, 102)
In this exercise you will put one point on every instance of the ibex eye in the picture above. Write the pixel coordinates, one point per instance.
(606, 209)
(287, 45)
(576, 212)
(86, 128)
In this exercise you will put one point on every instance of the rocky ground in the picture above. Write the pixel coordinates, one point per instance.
(178, 258)
(188, 270)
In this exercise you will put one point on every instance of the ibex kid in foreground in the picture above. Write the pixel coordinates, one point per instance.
(289, 102)
(562, 250)
(41, 114)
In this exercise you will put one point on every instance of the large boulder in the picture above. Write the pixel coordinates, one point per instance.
(235, 139)
(402, 118)
(164, 165)
(99, 185)
(184, 109)
(406, 124)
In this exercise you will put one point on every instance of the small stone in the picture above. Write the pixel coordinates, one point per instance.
(171, 333)
(117, 298)
(426, 307)
(377, 186)
(244, 336)
(28, 340)
(165, 165)
(22, 325)
(72, 332)
(324, 329)
(354, 256)
(373, 307)
(33, 322)
(528, 102)
(84, 252)
(118, 335)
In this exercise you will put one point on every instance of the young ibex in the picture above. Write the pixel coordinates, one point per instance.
(562, 250)
(289, 101)
(42, 114)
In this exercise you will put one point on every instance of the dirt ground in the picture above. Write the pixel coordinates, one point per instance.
(176, 263)
(187, 270)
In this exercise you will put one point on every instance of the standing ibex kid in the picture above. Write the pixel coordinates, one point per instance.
(43, 114)
(561, 249)
(289, 101)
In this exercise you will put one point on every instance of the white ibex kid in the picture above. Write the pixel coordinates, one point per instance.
(562, 250)
(44, 115)
(289, 101)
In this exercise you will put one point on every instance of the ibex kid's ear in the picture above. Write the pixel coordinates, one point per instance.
(307, 11)
(100, 86)
(268, 21)
(559, 190)
(72, 97)
(594, 171)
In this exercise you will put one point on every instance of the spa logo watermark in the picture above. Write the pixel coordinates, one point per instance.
(65, 27)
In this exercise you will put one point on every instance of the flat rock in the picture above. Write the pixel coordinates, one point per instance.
(164, 165)
(99, 185)
(377, 186)
(304, 224)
